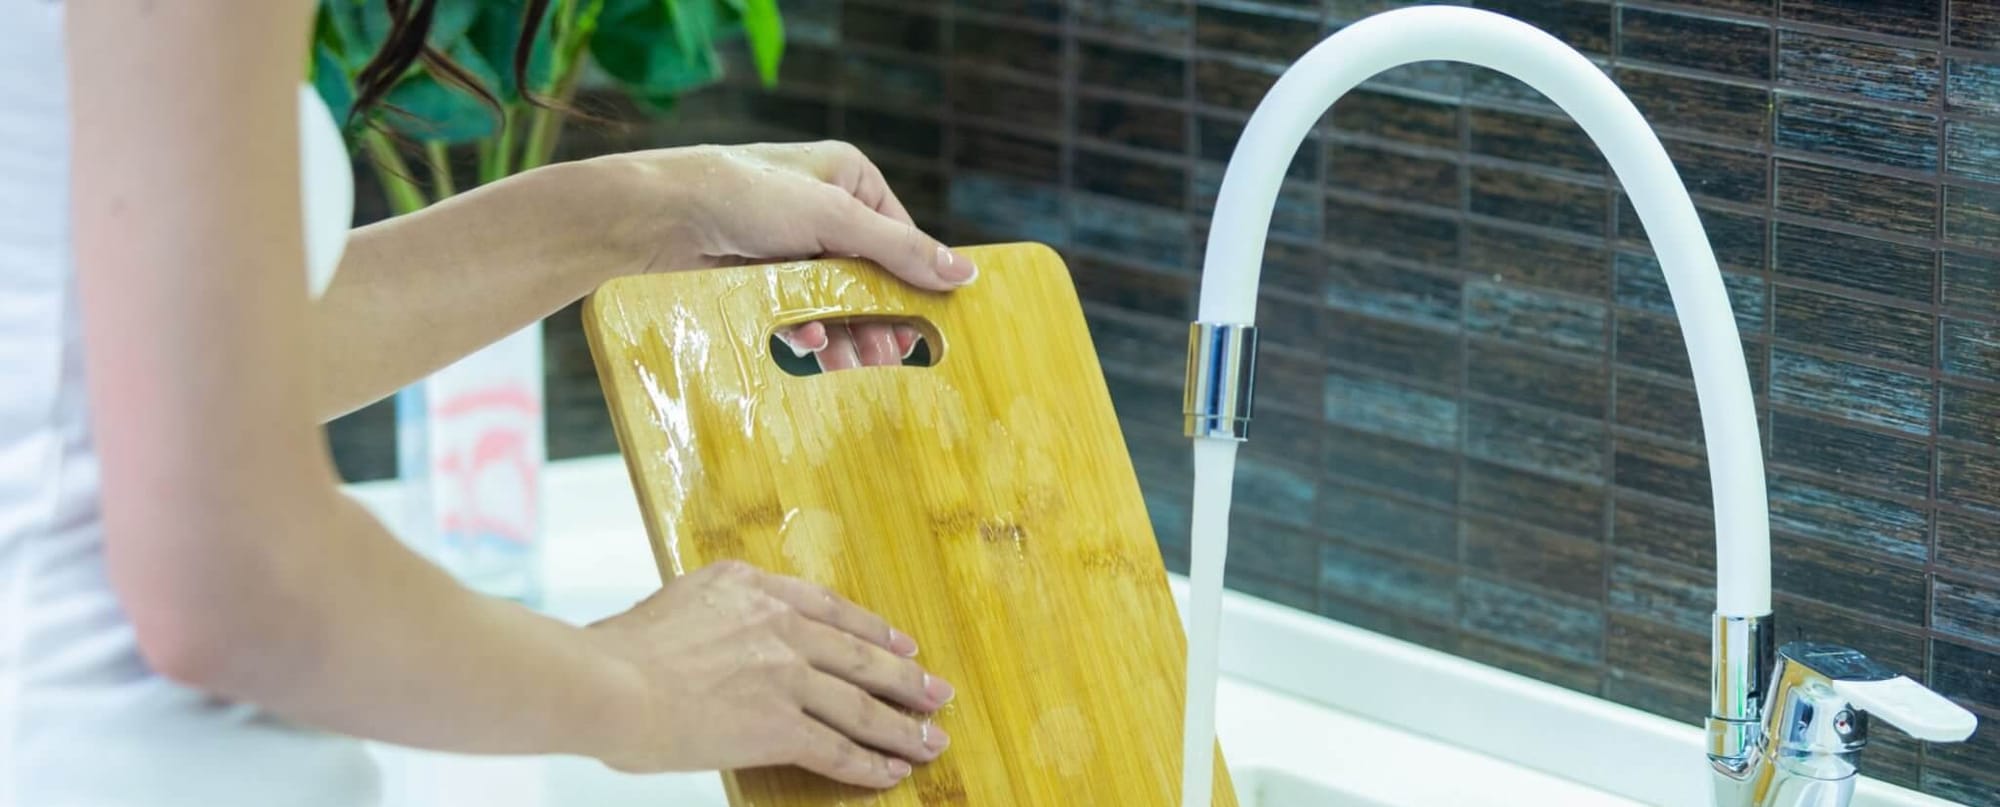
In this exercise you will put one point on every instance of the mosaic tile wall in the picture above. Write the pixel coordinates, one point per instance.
(1478, 431)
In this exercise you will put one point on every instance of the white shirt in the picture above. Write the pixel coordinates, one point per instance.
(83, 722)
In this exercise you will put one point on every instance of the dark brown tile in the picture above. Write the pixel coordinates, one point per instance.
(1858, 131)
(1975, 25)
(992, 208)
(1231, 85)
(1663, 593)
(1001, 100)
(1667, 409)
(1854, 392)
(1513, 657)
(1972, 415)
(1655, 650)
(1701, 43)
(1642, 284)
(1273, 35)
(1972, 283)
(1971, 349)
(1131, 344)
(1287, 384)
(1660, 470)
(1407, 468)
(1218, 136)
(1373, 616)
(1852, 197)
(1136, 71)
(1541, 200)
(1538, 260)
(1972, 87)
(1397, 119)
(1297, 269)
(1861, 263)
(1412, 351)
(1857, 457)
(1964, 787)
(1653, 342)
(1823, 320)
(1143, 126)
(1393, 175)
(1555, 444)
(1972, 217)
(1389, 409)
(1684, 535)
(1975, 754)
(1741, 242)
(1865, 69)
(1365, 229)
(1291, 322)
(1720, 172)
(1898, 648)
(1968, 543)
(1405, 584)
(1583, 25)
(1758, 8)
(1154, 183)
(1269, 549)
(1031, 10)
(1554, 141)
(1968, 478)
(1028, 158)
(1873, 524)
(1966, 673)
(1531, 619)
(1164, 23)
(1849, 579)
(887, 27)
(805, 117)
(880, 133)
(1367, 517)
(1534, 318)
(1274, 491)
(1972, 150)
(1966, 610)
(1561, 563)
(1142, 233)
(1392, 292)
(1271, 589)
(1573, 386)
(1023, 51)
(1677, 103)
(815, 67)
(1917, 18)
(1143, 291)
(1571, 507)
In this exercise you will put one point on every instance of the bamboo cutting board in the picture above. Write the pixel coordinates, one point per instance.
(985, 505)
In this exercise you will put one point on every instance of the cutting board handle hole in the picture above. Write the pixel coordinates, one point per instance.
(925, 354)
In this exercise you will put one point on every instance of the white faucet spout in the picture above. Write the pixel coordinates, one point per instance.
(1327, 72)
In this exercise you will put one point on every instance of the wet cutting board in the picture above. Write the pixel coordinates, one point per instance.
(985, 504)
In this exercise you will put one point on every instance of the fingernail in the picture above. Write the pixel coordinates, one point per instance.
(940, 692)
(901, 644)
(955, 267)
(935, 738)
(912, 349)
(899, 769)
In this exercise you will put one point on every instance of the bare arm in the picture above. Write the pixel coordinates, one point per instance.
(246, 573)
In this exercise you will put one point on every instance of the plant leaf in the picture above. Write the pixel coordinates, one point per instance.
(495, 32)
(765, 29)
(333, 83)
(639, 45)
(422, 108)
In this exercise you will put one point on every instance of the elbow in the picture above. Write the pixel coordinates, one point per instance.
(184, 651)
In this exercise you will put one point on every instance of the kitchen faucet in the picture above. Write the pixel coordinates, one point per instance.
(1785, 725)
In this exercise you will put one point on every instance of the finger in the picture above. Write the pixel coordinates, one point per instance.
(869, 667)
(875, 343)
(851, 711)
(849, 227)
(804, 339)
(825, 752)
(818, 604)
(906, 341)
(839, 353)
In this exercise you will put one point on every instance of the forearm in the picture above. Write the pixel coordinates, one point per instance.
(417, 292)
(367, 639)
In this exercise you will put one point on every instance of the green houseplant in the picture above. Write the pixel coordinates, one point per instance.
(470, 437)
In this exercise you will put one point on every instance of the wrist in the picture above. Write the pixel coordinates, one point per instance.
(644, 209)
(624, 730)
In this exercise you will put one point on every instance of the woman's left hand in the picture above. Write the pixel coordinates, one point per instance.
(730, 205)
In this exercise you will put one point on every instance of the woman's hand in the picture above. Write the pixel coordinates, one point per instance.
(728, 205)
(740, 668)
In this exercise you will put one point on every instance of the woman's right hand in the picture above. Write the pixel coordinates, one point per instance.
(741, 668)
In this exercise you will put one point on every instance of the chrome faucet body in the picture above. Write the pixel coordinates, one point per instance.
(1784, 726)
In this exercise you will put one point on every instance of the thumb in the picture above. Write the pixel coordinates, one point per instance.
(853, 228)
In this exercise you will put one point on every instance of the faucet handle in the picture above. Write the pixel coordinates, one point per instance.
(1881, 692)
(1910, 706)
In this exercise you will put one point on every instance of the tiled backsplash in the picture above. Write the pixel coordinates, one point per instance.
(1478, 431)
